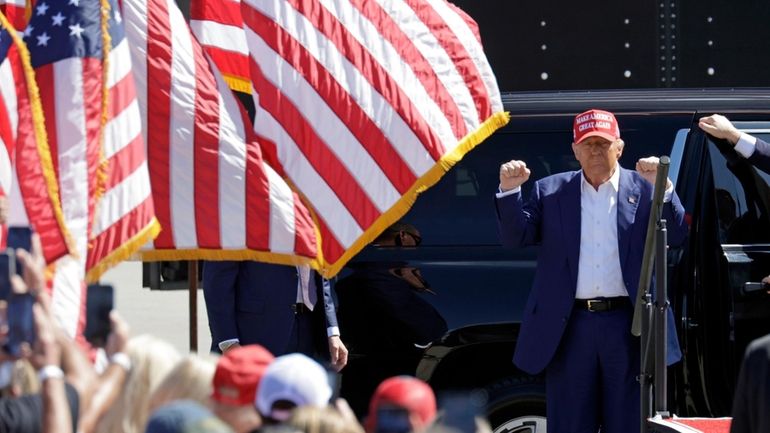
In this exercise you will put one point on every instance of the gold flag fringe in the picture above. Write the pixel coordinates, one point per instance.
(398, 210)
(101, 172)
(235, 255)
(41, 137)
(402, 206)
(239, 84)
(124, 251)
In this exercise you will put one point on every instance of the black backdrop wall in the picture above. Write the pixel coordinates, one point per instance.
(606, 44)
(558, 44)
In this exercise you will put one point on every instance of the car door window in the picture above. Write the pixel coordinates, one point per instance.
(742, 196)
(459, 210)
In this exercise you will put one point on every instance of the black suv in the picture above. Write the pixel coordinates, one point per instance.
(478, 288)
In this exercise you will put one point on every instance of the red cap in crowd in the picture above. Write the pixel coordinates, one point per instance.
(238, 373)
(595, 123)
(404, 392)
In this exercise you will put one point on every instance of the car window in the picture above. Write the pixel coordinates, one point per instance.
(460, 210)
(742, 194)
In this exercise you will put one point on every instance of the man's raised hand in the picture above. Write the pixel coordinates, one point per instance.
(648, 168)
(513, 174)
(719, 127)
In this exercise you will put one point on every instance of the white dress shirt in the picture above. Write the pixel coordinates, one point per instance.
(746, 145)
(599, 273)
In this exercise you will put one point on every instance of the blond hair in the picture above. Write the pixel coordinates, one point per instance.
(23, 380)
(151, 359)
(190, 379)
(311, 419)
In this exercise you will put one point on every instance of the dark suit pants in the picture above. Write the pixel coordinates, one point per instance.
(591, 381)
(303, 337)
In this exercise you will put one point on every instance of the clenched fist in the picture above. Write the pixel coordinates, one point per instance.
(513, 174)
(719, 127)
(648, 168)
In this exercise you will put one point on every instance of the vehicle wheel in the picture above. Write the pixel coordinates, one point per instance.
(517, 405)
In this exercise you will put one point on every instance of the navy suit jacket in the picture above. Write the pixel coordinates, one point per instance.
(551, 218)
(761, 156)
(252, 301)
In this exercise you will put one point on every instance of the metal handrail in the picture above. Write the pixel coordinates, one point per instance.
(655, 245)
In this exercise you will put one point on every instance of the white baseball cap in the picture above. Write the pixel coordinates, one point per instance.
(293, 378)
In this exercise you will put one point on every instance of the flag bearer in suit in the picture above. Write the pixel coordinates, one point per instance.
(283, 308)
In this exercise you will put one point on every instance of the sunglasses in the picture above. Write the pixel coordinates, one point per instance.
(417, 238)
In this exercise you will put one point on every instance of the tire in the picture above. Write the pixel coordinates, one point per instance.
(517, 405)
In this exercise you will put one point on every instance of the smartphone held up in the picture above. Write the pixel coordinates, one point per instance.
(21, 323)
(18, 318)
(99, 303)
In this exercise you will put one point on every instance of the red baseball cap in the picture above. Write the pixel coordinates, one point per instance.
(238, 373)
(595, 123)
(405, 392)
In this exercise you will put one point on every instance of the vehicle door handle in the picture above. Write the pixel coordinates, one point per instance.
(753, 287)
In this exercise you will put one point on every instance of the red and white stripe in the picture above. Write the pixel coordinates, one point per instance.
(125, 212)
(218, 26)
(16, 12)
(9, 119)
(31, 189)
(215, 196)
(70, 91)
(108, 218)
(362, 99)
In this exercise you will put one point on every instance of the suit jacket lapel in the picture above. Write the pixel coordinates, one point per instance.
(569, 206)
(628, 202)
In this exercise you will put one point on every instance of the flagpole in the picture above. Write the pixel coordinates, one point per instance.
(192, 278)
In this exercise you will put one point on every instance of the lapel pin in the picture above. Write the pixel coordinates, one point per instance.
(632, 199)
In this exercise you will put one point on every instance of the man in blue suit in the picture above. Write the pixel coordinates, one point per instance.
(749, 147)
(591, 226)
(284, 308)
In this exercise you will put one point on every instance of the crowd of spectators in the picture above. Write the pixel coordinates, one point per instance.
(141, 384)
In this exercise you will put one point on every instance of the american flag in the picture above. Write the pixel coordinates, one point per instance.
(27, 178)
(215, 196)
(218, 26)
(94, 131)
(366, 103)
(17, 12)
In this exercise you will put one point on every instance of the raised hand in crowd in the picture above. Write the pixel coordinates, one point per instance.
(110, 383)
(78, 370)
(33, 263)
(55, 407)
(513, 174)
(46, 358)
